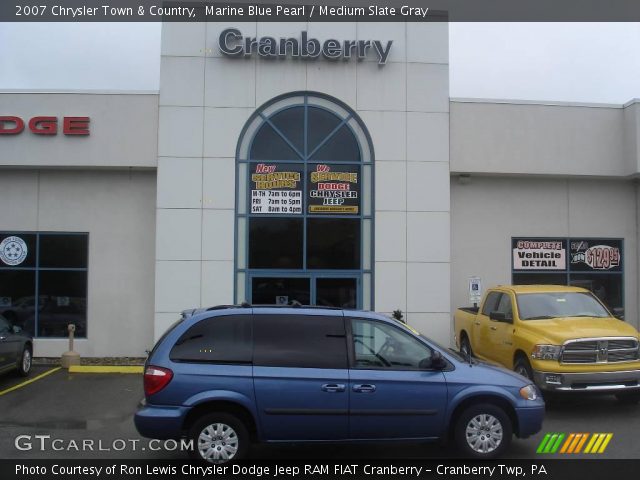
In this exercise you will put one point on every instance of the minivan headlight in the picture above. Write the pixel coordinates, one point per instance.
(546, 352)
(529, 392)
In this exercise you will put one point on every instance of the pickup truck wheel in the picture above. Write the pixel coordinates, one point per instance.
(219, 438)
(523, 368)
(628, 398)
(465, 346)
(483, 431)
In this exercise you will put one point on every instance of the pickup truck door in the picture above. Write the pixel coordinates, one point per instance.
(480, 337)
(501, 333)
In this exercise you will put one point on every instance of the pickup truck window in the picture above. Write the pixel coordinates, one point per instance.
(491, 303)
(540, 306)
(504, 306)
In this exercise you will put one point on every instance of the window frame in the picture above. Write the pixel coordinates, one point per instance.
(37, 269)
(364, 273)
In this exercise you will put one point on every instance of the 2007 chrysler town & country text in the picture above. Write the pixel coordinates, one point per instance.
(227, 376)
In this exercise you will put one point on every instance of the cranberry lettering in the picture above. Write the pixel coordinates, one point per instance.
(44, 125)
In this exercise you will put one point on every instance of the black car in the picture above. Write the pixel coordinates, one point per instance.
(16, 348)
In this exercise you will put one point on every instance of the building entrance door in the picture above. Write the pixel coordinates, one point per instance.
(325, 291)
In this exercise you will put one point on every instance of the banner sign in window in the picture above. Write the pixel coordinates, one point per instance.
(539, 254)
(590, 254)
(276, 189)
(334, 189)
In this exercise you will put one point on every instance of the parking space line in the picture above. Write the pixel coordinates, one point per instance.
(31, 380)
(106, 369)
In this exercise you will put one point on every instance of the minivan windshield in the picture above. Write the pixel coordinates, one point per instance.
(546, 305)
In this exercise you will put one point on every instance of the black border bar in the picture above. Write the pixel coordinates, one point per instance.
(343, 11)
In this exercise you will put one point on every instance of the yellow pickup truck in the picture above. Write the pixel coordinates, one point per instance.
(562, 338)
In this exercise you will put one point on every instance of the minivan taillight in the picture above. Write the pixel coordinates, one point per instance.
(155, 379)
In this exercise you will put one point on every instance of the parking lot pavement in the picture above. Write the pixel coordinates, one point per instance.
(99, 408)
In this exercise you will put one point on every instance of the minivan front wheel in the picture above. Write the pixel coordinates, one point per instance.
(483, 431)
(219, 438)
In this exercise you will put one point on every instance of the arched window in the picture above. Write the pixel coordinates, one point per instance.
(304, 223)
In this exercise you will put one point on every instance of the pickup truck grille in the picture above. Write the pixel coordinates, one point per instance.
(600, 350)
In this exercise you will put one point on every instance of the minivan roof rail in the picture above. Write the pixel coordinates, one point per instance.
(293, 304)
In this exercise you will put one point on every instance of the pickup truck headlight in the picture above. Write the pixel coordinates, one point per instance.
(529, 392)
(546, 352)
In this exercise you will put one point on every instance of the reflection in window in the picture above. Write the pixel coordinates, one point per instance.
(55, 268)
(275, 243)
(333, 243)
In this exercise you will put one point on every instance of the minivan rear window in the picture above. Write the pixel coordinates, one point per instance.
(303, 341)
(219, 339)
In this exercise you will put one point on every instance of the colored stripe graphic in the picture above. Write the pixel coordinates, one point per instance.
(573, 443)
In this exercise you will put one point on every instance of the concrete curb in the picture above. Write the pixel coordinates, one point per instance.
(106, 369)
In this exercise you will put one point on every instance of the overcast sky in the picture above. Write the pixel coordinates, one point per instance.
(588, 62)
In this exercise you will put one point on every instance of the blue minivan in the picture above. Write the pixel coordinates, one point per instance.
(231, 375)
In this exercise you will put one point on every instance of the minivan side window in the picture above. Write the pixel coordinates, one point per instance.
(303, 341)
(380, 346)
(491, 303)
(219, 339)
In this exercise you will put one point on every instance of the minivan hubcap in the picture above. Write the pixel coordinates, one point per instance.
(484, 433)
(218, 442)
(26, 361)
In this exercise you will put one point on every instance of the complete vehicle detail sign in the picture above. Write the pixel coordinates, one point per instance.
(534, 254)
(233, 44)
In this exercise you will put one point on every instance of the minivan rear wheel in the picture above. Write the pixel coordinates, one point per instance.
(483, 431)
(219, 438)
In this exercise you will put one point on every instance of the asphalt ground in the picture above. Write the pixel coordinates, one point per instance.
(99, 408)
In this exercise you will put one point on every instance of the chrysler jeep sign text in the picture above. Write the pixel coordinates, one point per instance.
(233, 44)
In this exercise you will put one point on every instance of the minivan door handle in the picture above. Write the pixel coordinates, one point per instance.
(333, 387)
(365, 388)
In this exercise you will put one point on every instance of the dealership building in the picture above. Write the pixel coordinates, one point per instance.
(319, 163)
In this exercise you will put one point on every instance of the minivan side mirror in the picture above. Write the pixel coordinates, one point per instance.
(500, 317)
(16, 329)
(435, 362)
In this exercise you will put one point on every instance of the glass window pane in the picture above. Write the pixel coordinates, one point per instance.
(63, 251)
(280, 291)
(337, 292)
(366, 244)
(276, 188)
(225, 339)
(320, 124)
(607, 287)
(333, 243)
(17, 250)
(378, 345)
(299, 341)
(63, 300)
(342, 146)
(17, 298)
(539, 278)
(241, 250)
(275, 242)
(268, 145)
(290, 122)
